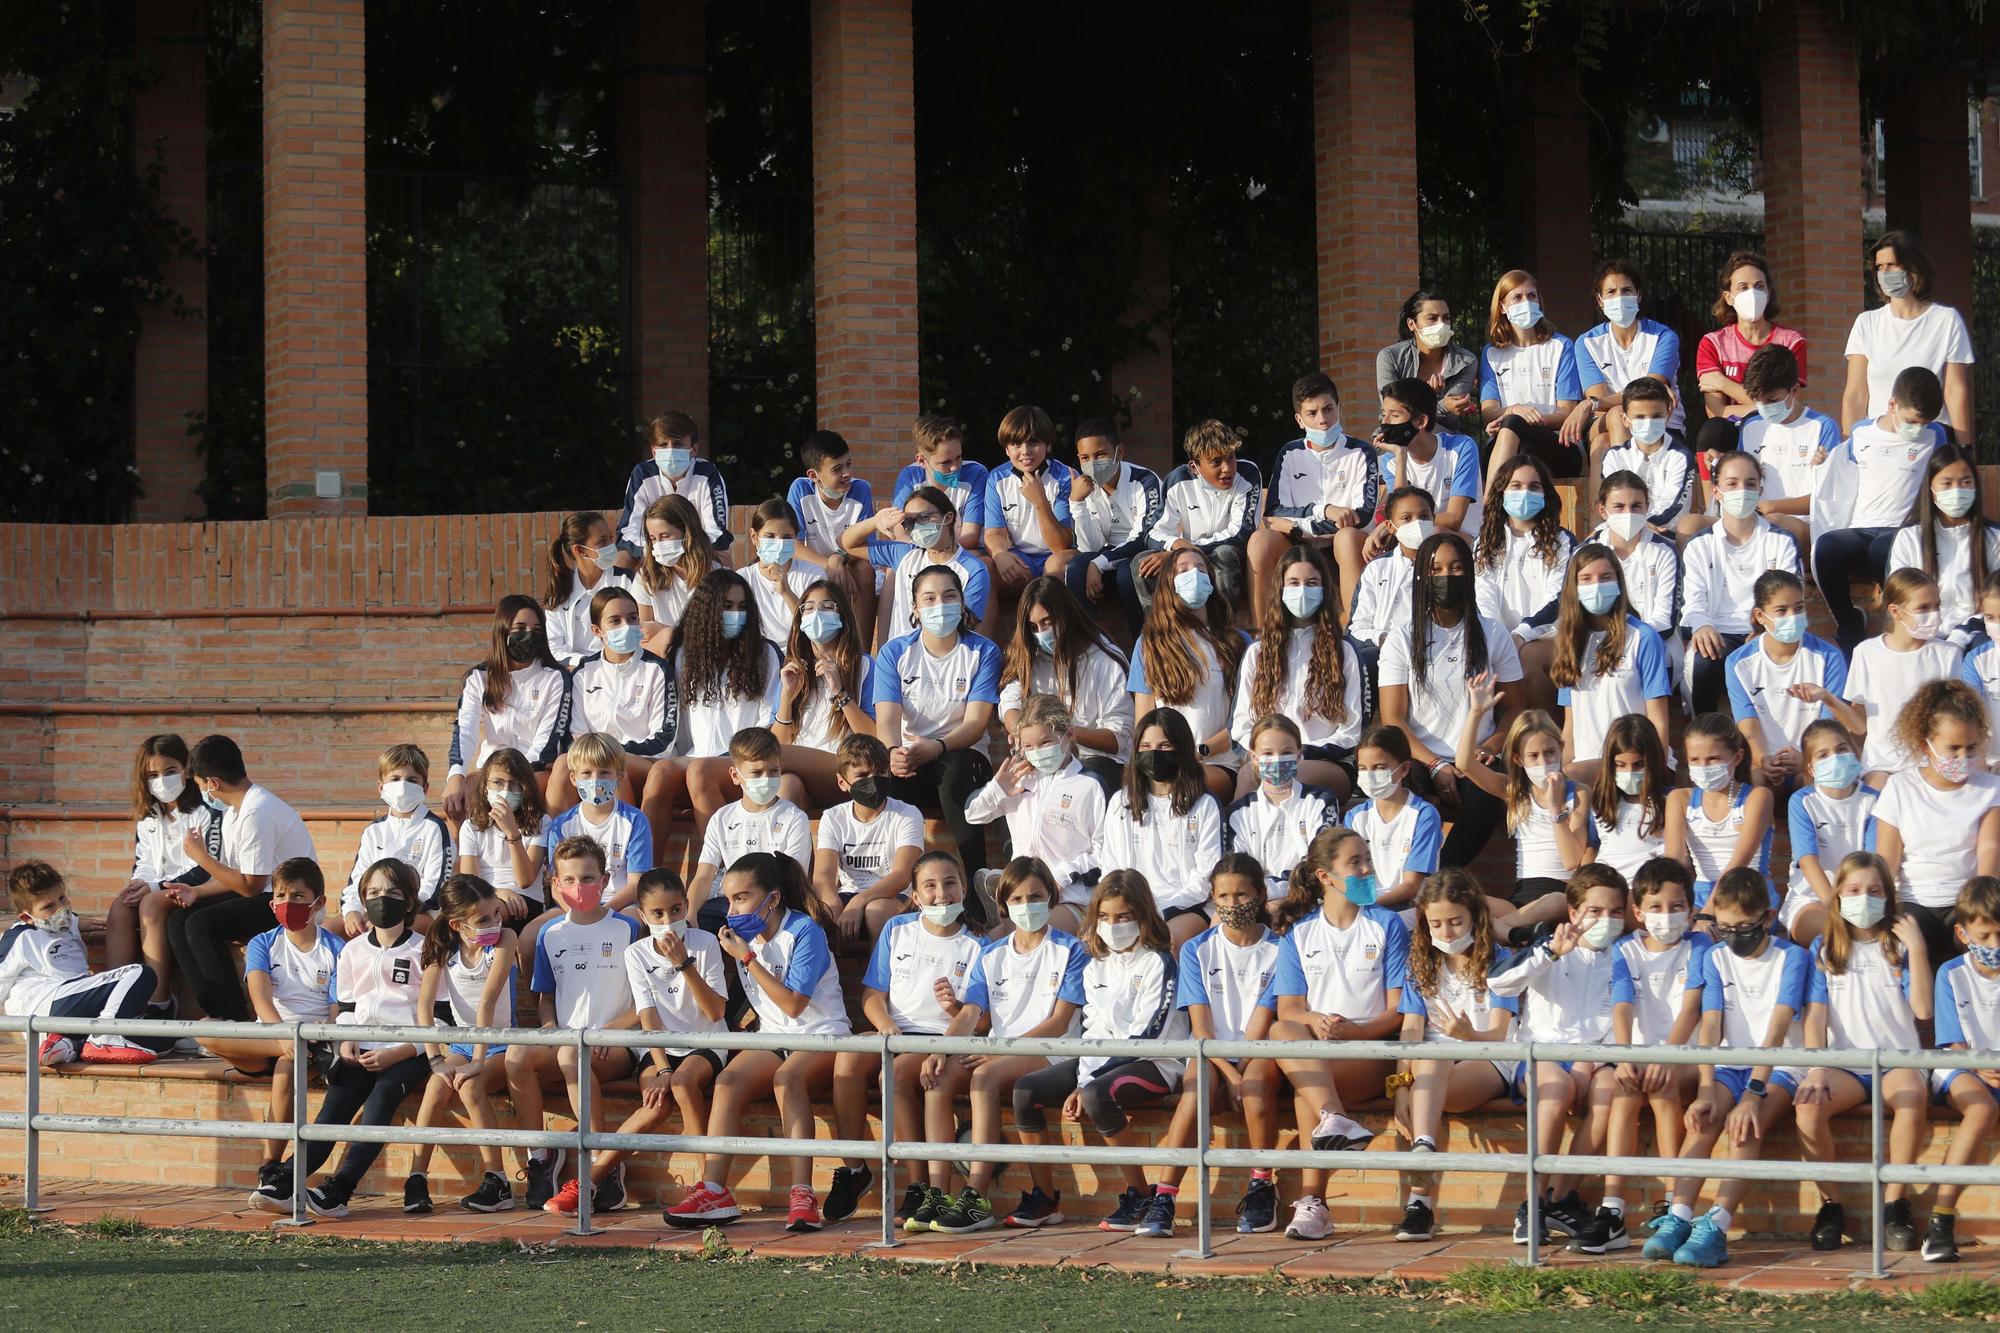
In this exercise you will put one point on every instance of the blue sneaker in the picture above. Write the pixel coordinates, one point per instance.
(1707, 1246)
(1669, 1233)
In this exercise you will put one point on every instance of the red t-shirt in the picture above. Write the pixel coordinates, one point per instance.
(1728, 351)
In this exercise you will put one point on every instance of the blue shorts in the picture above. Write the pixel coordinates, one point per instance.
(1035, 561)
(464, 1050)
(1737, 1077)
(1517, 1086)
(1942, 1079)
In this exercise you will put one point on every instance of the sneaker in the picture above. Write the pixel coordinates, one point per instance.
(803, 1214)
(849, 1184)
(1521, 1224)
(913, 1200)
(541, 1177)
(416, 1194)
(1565, 1216)
(328, 1200)
(1309, 1220)
(1899, 1233)
(609, 1196)
(700, 1207)
(275, 1174)
(1336, 1133)
(1159, 1219)
(116, 1051)
(1940, 1240)
(926, 1212)
(1036, 1209)
(564, 1200)
(1707, 1245)
(1667, 1234)
(1258, 1210)
(57, 1050)
(1131, 1207)
(968, 1212)
(494, 1195)
(1829, 1226)
(1606, 1231)
(274, 1195)
(1419, 1222)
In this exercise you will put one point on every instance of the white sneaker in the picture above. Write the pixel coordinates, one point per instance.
(1309, 1220)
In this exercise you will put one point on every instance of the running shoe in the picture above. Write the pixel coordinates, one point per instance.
(1159, 1219)
(541, 1176)
(1829, 1225)
(328, 1200)
(416, 1193)
(1419, 1222)
(564, 1201)
(1521, 1223)
(57, 1050)
(803, 1214)
(1899, 1233)
(494, 1195)
(1605, 1231)
(1036, 1209)
(849, 1184)
(609, 1196)
(968, 1212)
(701, 1206)
(913, 1199)
(1258, 1209)
(1707, 1246)
(1667, 1234)
(1309, 1220)
(1565, 1216)
(116, 1051)
(1941, 1240)
(1131, 1207)
(926, 1211)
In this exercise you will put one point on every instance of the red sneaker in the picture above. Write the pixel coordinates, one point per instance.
(703, 1206)
(57, 1050)
(803, 1215)
(116, 1053)
(564, 1201)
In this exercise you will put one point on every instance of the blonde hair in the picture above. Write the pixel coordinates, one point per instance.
(1520, 795)
(594, 749)
(405, 756)
(1046, 710)
(1210, 439)
(1500, 330)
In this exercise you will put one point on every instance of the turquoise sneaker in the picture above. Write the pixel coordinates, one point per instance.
(1669, 1233)
(1707, 1246)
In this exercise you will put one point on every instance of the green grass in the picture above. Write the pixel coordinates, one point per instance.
(58, 1277)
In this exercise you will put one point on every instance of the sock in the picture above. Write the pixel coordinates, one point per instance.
(538, 1154)
(1418, 1196)
(418, 1175)
(1614, 1203)
(1171, 1191)
(1683, 1211)
(1425, 1138)
(1263, 1173)
(1720, 1216)
(711, 1187)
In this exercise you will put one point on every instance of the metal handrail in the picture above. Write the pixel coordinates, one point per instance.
(888, 1150)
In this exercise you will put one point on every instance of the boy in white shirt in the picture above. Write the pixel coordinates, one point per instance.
(1211, 504)
(1054, 808)
(1790, 440)
(1115, 504)
(1655, 452)
(1967, 1001)
(579, 982)
(1323, 491)
(827, 501)
(868, 847)
(762, 821)
(621, 831)
(1720, 569)
(413, 834)
(44, 971)
(1028, 525)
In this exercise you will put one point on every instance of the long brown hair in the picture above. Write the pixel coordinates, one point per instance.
(1305, 895)
(1837, 944)
(1520, 792)
(499, 664)
(714, 667)
(1074, 632)
(458, 897)
(1131, 887)
(1189, 786)
(164, 745)
(1326, 685)
(1634, 731)
(1547, 525)
(1500, 330)
(575, 531)
(1169, 644)
(1573, 626)
(695, 562)
(843, 650)
(1924, 514)
(1454, 885)
(479, 811)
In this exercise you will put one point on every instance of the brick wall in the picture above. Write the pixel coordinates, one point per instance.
(1812, 178)
(1929, 177)
(1365, 181)
(865, 229)
(170, 364)
(1555, 193)
(315, 261)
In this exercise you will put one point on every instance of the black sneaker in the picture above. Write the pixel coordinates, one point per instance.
(1037, 1209)
(968, 1212)
(1565, 1216)
(1258, 1211)
(1941, 1240)
(1131, 1209)
(1829, 1226)
(328, 1200)
(1606, 1231)
(913, 1199)
(541, 1177)
(1159, 1219)
(1899, 1233)
(1521, 1224)
(849, 1184)
(927, 1211)
(274, 1188)
(609, 1196)
(276, 1174)
(416, 1194)
(1419, 1222)
(494, 1195)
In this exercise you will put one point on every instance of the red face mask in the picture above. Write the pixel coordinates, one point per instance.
(581, 897)
(293, 916)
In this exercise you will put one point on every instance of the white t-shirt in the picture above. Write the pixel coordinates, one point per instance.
(1229, 978)
(1868, 1005)
(1347, 971)
(1595, 702)
(1291, 699)
(907, 963)
(774, 614)
(1536, 855)
(658, 985)
(1958, 600)
(736, 830)
(1100, 700)
(708, 724)
(815, 722)
(1278, 832)
(624, 834)
(1655, 983)
(1758, 687)
(1455, 995)
(1439, 702)
(1884, 471)
(1624, 843)
(465, 986)
(797, 954)
(582, 966)
(1562, 999)
(1933, 340)
(1968, 1007)
(301, 979)
(1131, 996)
(1718, 575)
(1793, 454)
(1940, 831)
(1881, 680)
(1828, 828)
(1019, 990)
(261, 833)
(488, 847)
(1410, 840)
(867, 848)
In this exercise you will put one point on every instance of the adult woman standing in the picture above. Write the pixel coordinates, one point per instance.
(1911, 330)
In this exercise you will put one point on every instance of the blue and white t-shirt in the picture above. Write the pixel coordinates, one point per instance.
(1596, 701)
(933, 690)
(1348, 971)
(1759, 687)
(797, 954)
(1019, 990)
(908, 962)
(301, 979)
(582, 967)
(1007, 506)
(1748, 991)
(1229, 978)
(1867, 1005)
(1410, 840)
(966, 489)
(1540, 376)
(625, 835)
(1655, 351)
(820, 524)
(1655, 984)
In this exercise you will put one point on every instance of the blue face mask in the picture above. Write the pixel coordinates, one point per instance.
(939, 618)
(1524, 314)
(775, 550)
(1835, 771)
(1360, 890)
(1597, 598)
(1193, 587)
(596, 791)
(674, 462)
(1777, 411)
(1302, 599)
(948, 480)
(1320, 439)
(1279, 770)
(926, 535)
(749, 925)
(1523, 505)
(1788, 629)
(1045, 639)
(1986, 955)
(623, 639)
(820, 626)
(1621, 310)
(733, 623)
(208, 798)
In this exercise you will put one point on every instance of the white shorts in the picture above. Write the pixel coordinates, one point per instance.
(1797, 900)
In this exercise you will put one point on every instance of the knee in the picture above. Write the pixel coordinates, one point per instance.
(1260, 1087)
(1103, 1109)
(1027, 1107)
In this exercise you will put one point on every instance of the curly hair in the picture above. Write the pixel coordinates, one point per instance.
(712, 667)
(1546, 526)
(1170, 643)
(479, 810)
(1573, 627)
(1326, 683)
(1940, 699)
(1454, 885)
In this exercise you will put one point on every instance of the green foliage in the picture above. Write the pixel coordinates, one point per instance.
(1959, 1298)
(82, 254)
(1622, 1287)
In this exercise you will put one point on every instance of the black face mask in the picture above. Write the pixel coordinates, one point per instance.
(1159, 765)
(1400, 433)
(527, 645)
(1742, 940)
(867, 791)
(1448, 591)
(385, 912)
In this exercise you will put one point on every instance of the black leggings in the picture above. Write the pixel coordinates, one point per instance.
(1539, 440)
(201, 936)
(1840, 557)
(1117, 1086)
(375, 1094)
(1473, 817)
(1707, 678)
(945, 784)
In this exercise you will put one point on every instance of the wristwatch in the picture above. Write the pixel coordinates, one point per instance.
(686, 963)
(841, 702)
(1755, 1088)
(1201, 748)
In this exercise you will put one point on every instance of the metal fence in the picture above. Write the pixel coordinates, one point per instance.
(1533, 1164)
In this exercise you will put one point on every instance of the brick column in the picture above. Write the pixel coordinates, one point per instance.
(1365, 182)
(1812, 166)
(865, 229)
(170, 364)
(1554, 200)
(315, 259)
(1149, 440)
(663, 157)
(1929, 187)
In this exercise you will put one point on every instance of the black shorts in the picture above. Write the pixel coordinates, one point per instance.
(1544, 442)
(1200, 910)
(661, 1060)
(1529, 890)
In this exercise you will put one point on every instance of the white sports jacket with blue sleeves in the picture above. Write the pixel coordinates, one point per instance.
(1197, 513)
(1305, 480)
(702, 485)
(1111, 526)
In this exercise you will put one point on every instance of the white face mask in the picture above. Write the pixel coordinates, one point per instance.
(1599, 934)
(1377, 783)
(1630, 783)
(666, 550)
(942, 914)
(762, 790)
(1453, 948)
(1649, 430)
(1539, 774)
(1625, 526)
(1749, 304)
(1667, 927)
(401, 796)
(1118, 936)
(1740, 504)
(1709, 777)
(167, 787)
(1434, 336)
(661, 929)
(1862, 909)
(1924, 626)
(1410, 534)
(1911, 431)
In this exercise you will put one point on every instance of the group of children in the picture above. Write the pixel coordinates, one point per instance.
(1250, 815)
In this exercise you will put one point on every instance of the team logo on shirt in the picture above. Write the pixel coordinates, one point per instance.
(1368, 954)
(606, 949)
(321, 975)
(958, 969)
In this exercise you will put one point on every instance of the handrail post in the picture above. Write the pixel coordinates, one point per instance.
(1204, 1203)
(301, 1070)
(1875, 1164)
(887, 1185)
(31, 1106)
(1534, 1177)
(584, 1077)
